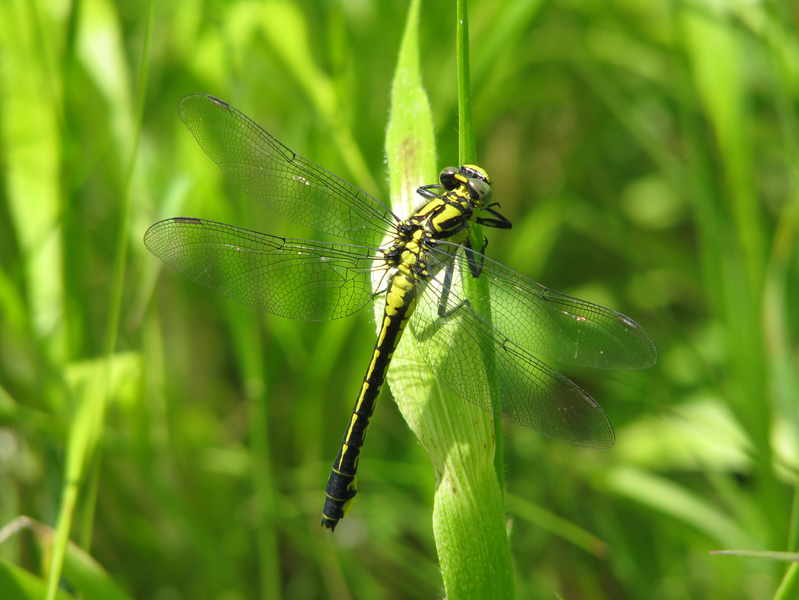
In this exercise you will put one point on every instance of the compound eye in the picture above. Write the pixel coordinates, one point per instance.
(479, 191)
(475, 172)
(449, 178)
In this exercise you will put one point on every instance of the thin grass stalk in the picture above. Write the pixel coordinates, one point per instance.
(468, 511)
(85, 436)
(467, 155)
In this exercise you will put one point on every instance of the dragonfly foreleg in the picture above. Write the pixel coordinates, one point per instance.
(425, 191)
(501, 222)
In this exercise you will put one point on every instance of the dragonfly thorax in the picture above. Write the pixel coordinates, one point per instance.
(443, 217)
(446, 216)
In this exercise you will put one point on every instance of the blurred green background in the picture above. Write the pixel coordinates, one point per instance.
(646, 153)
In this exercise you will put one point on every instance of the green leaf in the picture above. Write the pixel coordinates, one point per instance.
(468, 514)
(82, 571)
(19, 584)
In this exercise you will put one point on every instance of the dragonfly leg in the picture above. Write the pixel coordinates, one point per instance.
(443, 299)
(501, 222)
(476, 260)
(425, 191)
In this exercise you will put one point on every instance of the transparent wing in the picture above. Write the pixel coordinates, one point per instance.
(475, 360)
(547, 322)
(281, 180)
(490, 363)
(297, 279)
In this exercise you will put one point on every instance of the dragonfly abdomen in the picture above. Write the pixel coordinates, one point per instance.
(342, 484)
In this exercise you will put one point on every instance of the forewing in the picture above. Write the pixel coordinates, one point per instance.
(547, 322)
(281, 180)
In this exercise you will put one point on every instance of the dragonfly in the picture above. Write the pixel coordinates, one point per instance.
(419, 268)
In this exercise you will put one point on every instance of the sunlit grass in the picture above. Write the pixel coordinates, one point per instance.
(646, 153)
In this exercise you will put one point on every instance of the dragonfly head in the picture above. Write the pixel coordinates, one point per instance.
(474, 179)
